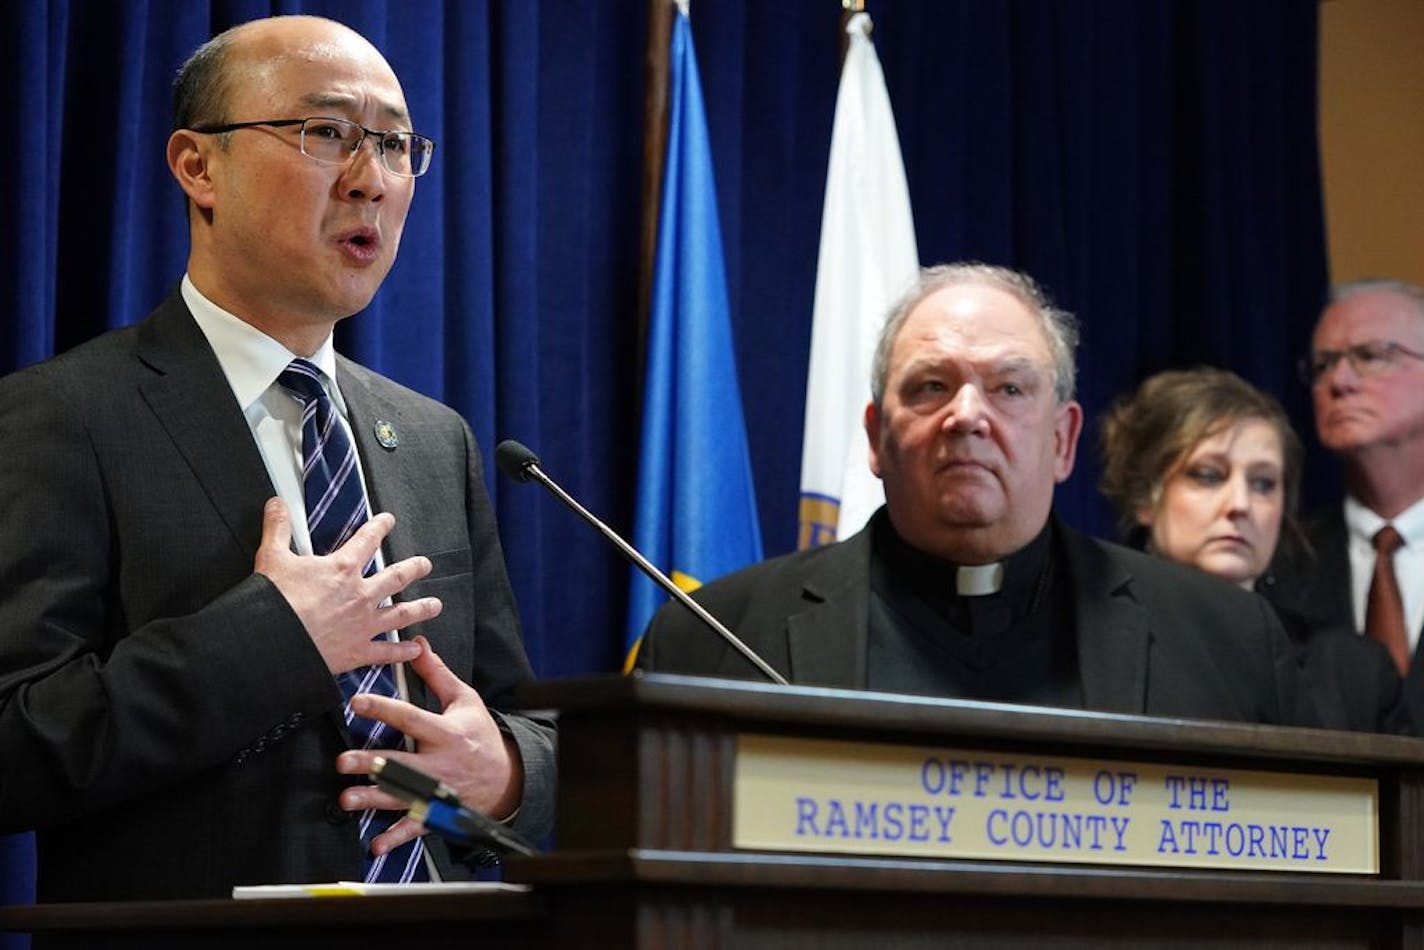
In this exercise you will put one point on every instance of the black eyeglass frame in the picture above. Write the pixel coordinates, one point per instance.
(1316, 366)
(377, 134)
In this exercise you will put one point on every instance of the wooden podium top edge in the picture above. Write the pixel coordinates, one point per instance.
(748, 706)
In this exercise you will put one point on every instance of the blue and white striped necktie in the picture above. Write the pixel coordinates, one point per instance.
(336, 507)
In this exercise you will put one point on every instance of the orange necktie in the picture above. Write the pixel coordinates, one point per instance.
(1384, 610)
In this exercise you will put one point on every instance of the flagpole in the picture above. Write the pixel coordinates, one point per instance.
(849, 8)
(655, 122)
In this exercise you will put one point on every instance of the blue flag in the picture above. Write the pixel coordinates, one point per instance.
(696, 515)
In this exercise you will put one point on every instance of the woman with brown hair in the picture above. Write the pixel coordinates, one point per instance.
(1205, 469)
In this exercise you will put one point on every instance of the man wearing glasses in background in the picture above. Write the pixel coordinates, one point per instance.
(211, 527)
(1366, 372)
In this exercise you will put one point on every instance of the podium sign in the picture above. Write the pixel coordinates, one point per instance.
(814, 795)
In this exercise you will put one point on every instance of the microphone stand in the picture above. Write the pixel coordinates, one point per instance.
(517, 461)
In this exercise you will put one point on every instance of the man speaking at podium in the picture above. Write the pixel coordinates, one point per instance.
(204, 519)
(964, 584)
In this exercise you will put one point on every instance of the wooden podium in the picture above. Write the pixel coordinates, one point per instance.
(645, 855)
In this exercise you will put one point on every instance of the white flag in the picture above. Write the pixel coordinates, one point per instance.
(867, 259)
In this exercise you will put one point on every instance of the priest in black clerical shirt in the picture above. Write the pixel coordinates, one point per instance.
(964, 585)
(984, 632)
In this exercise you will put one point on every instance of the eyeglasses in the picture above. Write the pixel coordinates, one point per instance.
(1371, 358)
(334, 141)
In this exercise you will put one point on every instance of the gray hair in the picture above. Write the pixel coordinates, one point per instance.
(1375, 285)
(1059, 327)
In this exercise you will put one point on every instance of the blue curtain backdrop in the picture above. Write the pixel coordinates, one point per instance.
(1153, 162)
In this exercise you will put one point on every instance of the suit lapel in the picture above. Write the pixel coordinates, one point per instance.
(827, 641)
(194, 403)
(1330, 595)
(1114, 633)
(386, 477)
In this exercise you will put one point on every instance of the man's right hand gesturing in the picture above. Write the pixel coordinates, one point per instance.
(342, 610)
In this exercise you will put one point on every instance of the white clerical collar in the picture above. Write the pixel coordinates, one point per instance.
(979, 579)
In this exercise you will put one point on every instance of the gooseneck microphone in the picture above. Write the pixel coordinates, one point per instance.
(519, 463)
(435, 805)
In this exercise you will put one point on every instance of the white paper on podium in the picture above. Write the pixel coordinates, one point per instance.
(358, 889)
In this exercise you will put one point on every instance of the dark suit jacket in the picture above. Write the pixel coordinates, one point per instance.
(165, 722)
(1153, 638)
(1352, 679)
(1316, 588)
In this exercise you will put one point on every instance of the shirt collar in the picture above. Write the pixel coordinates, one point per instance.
(250, 359)
(1017, 574)
(1362, 523)
(979, 579)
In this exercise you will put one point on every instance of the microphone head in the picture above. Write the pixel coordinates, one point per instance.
(515, 459)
